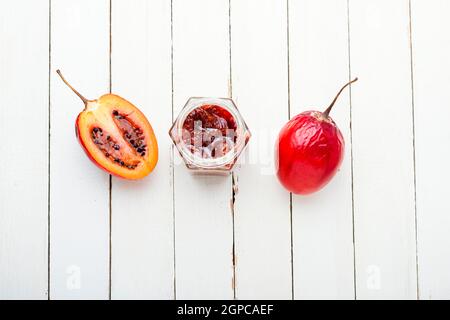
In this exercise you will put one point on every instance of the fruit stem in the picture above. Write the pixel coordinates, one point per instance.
(85, 101)
(327, 111)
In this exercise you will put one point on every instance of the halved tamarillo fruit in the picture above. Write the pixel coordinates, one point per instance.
(116, 136)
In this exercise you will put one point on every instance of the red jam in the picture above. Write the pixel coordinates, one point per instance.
(209, 131)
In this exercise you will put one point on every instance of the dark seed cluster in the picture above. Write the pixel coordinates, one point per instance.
(109, 147)
(131, 133)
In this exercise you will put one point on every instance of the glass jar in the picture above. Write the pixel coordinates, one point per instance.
(210, 134)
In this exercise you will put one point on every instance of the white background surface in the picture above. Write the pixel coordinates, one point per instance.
(380, 229)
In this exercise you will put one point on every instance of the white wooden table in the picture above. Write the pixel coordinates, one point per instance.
(380, 229)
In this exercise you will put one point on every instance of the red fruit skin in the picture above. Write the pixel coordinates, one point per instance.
(308, 152)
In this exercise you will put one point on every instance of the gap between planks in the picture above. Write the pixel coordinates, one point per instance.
(289, 117)
(351, 150)
(414, 146)
(49, 140)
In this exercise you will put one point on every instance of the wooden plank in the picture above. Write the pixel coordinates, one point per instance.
(79, 221)
(322, 222)
(142, 219)
(431, 49)
(262, 225)
(383, 150)
(24, 149)
(203, 220)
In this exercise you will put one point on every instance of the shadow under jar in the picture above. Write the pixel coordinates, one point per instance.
(210, 134)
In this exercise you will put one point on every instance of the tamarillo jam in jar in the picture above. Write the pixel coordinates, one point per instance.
(210, 134)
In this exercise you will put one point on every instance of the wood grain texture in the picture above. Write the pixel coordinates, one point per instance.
(203, 220)
(142, 219)
(383, 150)
(322, 222)
(431, 70)
(24, 149)
(262, 223)
(79, 234)
(174, 234)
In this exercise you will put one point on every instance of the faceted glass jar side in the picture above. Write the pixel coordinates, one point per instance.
(211, 152)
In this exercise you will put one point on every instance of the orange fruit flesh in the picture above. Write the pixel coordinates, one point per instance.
(118, 137)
